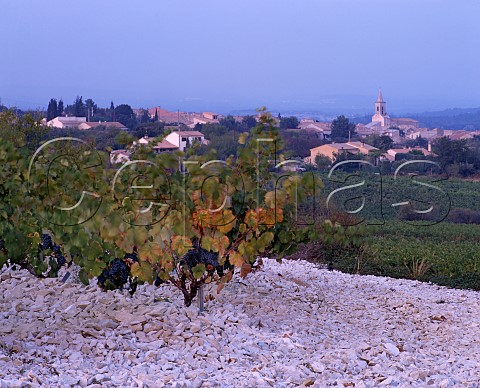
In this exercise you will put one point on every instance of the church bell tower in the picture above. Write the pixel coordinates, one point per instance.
(381, 116)
(380, 105)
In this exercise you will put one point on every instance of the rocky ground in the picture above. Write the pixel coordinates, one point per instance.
(291, 324)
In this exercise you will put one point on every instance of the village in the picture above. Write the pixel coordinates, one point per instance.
(184, 129)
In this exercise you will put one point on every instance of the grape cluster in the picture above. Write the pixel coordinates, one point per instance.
(115, 276)
(131, 258)
(48, 244)
(200, 255)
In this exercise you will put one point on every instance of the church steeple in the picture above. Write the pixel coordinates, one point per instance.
(380, 105)
(380, 97)
(381, 116)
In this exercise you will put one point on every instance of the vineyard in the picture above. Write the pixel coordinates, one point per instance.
(444, 253)
(193, 229)
(190, 222)
(162, 219)
(382, 193)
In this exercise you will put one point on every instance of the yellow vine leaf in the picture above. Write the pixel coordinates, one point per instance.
(236, 259)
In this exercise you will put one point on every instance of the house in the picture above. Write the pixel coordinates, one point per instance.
(304, 122)
(119, 156)
(392, 153)
(404, 122)
(66, 122)
(107, 124)
(210, 115)
(321, 128)
(363, 130)
(331, 151)
(143, 141)
(159, 147)
(164, 146)
(185, 139)
(428, 134)
(205, 118)
(362, 147)
(166, 116)
(460, 134)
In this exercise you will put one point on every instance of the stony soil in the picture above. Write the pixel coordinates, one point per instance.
(291, 324)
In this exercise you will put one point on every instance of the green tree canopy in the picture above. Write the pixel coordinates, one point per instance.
(382, 142)
(342, 129)
(289, 122)
(124, 114)
(52, 110)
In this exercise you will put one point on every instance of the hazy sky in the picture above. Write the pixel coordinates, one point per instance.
(227, 54)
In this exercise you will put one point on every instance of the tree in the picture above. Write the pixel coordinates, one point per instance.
(417, 142)
(249, 122)
(342, 129)
(298, 143)
(91, 108)
(322, 162)
(288, 122)
(223, 146)
(381, 142)
(450, 151)
(144, 117)
(52, 110)
(124, 114)
(79, 107)
(23, 130)
(211, 130)
(60, 108)
(155, 118)
(124, 139)
(228, 122)
(112, 111)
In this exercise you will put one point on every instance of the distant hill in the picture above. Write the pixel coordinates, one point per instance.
(468, 119)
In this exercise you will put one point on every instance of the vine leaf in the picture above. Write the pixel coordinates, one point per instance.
(236, 259)
(198, 271)
(143, 272)
(181, 245)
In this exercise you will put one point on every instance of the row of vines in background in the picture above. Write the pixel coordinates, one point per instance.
(161, 220)
(444, 254)
(457, 201)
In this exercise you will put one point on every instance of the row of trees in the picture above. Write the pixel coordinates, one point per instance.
(54, 109)
(122, 113)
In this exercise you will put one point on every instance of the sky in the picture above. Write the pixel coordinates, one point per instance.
(230, 55)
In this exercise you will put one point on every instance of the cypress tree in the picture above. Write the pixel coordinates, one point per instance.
(60, 108)
(52, 109)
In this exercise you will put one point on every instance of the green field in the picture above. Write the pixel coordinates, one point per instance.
(445, 253)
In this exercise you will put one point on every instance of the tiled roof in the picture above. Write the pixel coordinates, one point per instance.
(359, 144)
(190, 133)
(165, 145)
(114, 124)
(405, 119)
